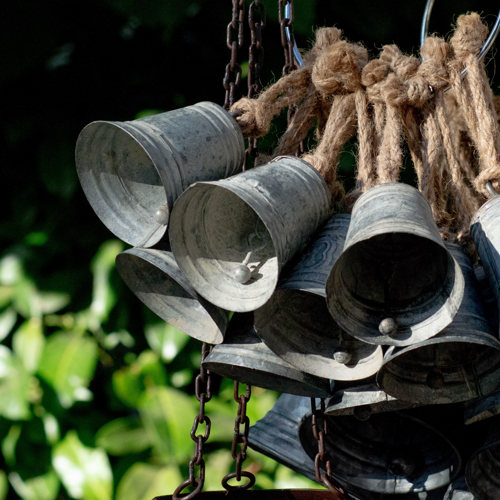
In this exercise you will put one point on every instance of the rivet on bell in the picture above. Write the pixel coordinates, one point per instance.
(162, 215)
(388, 326)
(343, 357)
(242, 273)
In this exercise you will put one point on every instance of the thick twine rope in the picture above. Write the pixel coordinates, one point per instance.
(338, 93)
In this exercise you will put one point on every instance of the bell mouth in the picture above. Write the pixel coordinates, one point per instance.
(122, 183)
(217, 234)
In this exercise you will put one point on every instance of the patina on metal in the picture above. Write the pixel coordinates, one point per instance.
(155, 278)
(295, 322)
(460, 363)
(395, 283)
(485, 230)
(133, 171)
(245, 358)
(391, 453)
(256, 220)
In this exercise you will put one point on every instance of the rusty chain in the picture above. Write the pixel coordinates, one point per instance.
(203, 393)
(322, 460)
(234, 42)
(240, 442)
(287, 41)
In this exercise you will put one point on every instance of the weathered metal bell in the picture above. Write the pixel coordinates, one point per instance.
(295, 322)
(244, 357)
(390, 453)
(132, 172)
(460, 363)
(232, 237)
(395, 283)
(155, 278)
(485, 230)
(458, 490)
(483, 408)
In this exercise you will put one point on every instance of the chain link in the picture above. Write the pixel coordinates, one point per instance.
(203, 393)
(322, 460)
(234, 42)
(287, 42)
(240, 442)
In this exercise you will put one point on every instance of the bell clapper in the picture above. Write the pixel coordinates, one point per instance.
(162, 214)
(388, 326)
(342, 356)
(243, 273)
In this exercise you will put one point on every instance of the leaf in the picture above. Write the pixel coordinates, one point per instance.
(166, 340)
(4, 485)
(123, 436)
(85, 472)
(44, 487)
(144, 482)
(130, 382)
(14, 387)
(51, 302)
(168, 416)
(28, 342)
(68, 363)
(11, 269)
(9, 444)
(7, 321)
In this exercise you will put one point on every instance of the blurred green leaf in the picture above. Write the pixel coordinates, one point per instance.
(6, 295)
(130, 382)
(122, 436)
(28, 342)
(166, 340)
(219, 463)
(168, 416)
(104, 296)
(145, 481)
(68, 363)
(45, 487)
(85, 472)
(9, 444)
(26, 299)
(4, 485)
(14, 386)
(113, 339)
(51, 428)
(11, 269)
(7, 321)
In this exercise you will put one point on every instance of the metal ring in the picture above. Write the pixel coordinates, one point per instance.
(487, 44)
(491, 190)
(296, 52)
(229, 487)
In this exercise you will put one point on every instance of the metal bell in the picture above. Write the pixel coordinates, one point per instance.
(232, 237)
(132, 172)
(295, 322)
(483, 408)
(485, 230)
(390, 453)
(458, 490)
(244, 357)
(395, 283)
(460, 363)
(155, 278)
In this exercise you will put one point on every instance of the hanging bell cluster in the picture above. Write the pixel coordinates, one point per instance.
(371, 311)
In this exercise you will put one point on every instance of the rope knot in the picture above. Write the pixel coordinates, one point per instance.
(251, 117)
(434, 67)
(469, 35)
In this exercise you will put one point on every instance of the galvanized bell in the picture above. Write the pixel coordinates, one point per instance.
(232, 237)
(483, 408)
(395, 283)
(391, 453)
(458, 490)
(244, 357)
(133, 171)
(295, 322)
(460, 363)
(485, 230)
(155, 278)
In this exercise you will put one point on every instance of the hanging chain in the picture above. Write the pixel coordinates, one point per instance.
(287, 40)
(234, 42)
(322, 460)
(203, 393)
(240, 442)
(256, 22)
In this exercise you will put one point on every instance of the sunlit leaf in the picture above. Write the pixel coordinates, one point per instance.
(122, 436)
(130, 382)
(114, 339)
(11, 269)
(103, 295)
(85, 472)
(4, 485)
(26, 298)
(168, 416)
(216, 466)
(9, 444)
(44, 487)
(28, 342)
(51, 428)
(6, 294)
(166, 340)
(14, 386)
(7, 322)
(51, 302)
(144, 482)
(68, 363)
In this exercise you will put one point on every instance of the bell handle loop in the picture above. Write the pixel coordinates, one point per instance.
(199, 485)
(491, 190)
(245, 486)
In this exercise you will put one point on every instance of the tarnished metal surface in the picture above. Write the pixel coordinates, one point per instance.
(389, 453)
(295, 322)
(485, 230)
(460, 363)
(395, 283)
(155, 278)
(244, 357)
(483, 408)
(132, 172)
(458, 490)
(256, 220)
